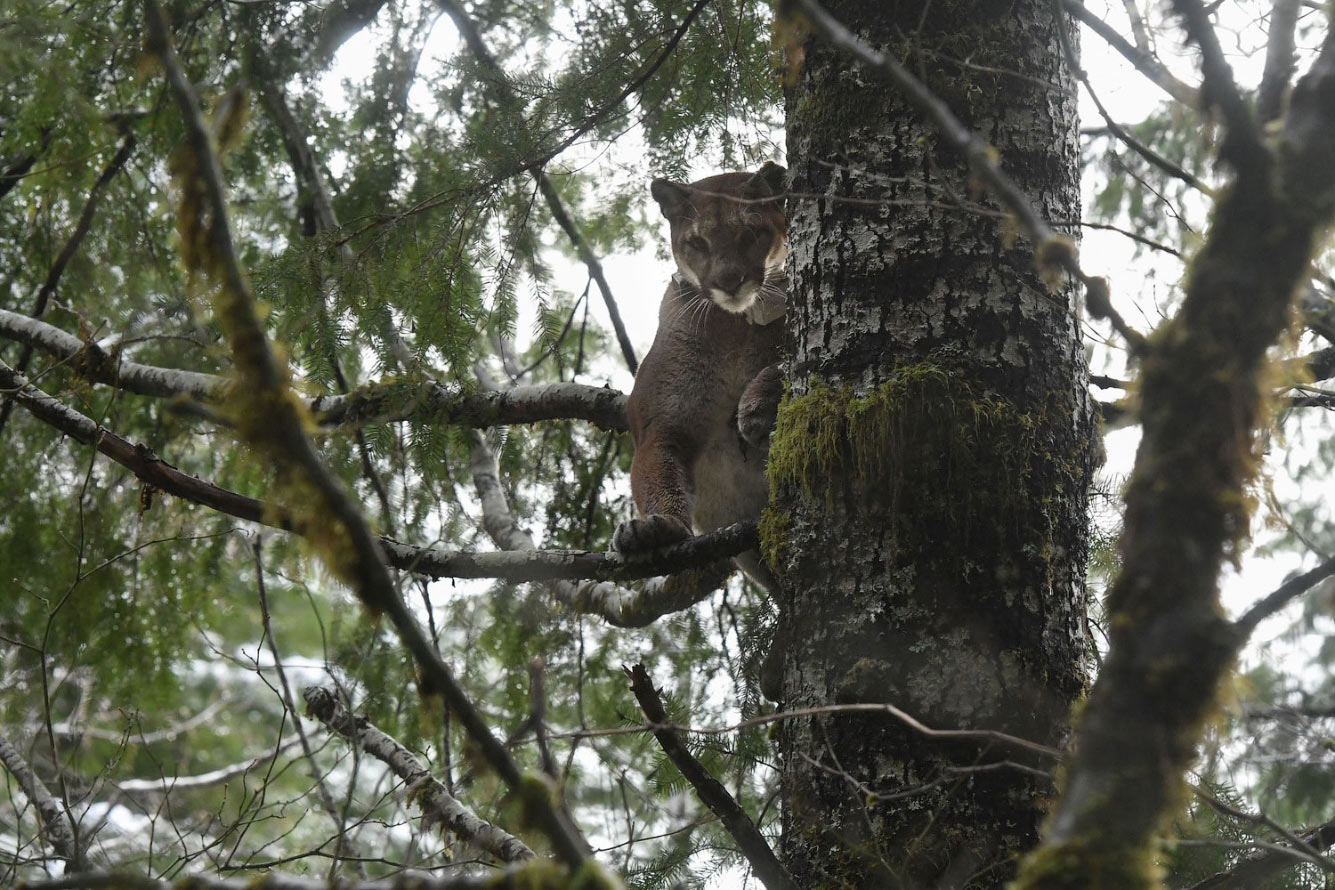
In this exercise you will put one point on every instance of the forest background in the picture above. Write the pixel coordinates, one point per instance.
(437, 208)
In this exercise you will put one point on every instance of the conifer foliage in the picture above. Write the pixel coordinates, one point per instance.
(312, 387)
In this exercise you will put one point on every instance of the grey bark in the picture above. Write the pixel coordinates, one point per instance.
(934, 557)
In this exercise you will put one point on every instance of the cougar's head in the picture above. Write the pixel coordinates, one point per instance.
(729, 233)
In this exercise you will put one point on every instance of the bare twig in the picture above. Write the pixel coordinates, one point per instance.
(51, 814)
(290, 704)
(438, 805)
(710, 790)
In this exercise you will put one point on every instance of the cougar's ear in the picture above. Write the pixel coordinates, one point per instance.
(673, 198)
(766, 181)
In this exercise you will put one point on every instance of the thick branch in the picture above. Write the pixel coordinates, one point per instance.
(617, 605)
(368, 404)
(1143, 60)
(52, 816)
(1201, 392)
(437, 804)
(1242, 143)
(280, 434)
(1279, 60)
(709, 789)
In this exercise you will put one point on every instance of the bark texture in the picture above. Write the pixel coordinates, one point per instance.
(931, 463)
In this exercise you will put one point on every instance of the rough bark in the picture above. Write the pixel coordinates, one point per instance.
(931, 463)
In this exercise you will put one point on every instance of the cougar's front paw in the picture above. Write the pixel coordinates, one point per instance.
(759, 407)
(648, 533)
(755, 422)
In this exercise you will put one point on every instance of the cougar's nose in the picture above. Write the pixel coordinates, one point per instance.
(729, 282)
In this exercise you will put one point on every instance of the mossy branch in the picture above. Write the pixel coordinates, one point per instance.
(1202, 384)
(272, 422)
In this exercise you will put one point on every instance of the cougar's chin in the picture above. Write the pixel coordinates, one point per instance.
(735, 303)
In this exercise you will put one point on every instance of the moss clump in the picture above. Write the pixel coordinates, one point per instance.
(1079, 864)
(927, 443)
(774, 527)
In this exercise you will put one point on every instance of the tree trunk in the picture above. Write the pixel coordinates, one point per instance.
(932, 460)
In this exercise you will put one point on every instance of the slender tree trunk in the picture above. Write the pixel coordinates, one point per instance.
(931, 463)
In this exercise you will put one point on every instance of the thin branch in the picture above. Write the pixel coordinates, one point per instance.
(1255, 870)
(710, 790)
(290, 704)
(607, 108)
(370, 403)
(1144, 61)
(1151, 156)
(515, 878)
(169, 784)
(18, 168)
(51, 815)
(438, 805)
(913, 723)
(1297, 845)
(472, 37)
(1282, 596)
(71, 247)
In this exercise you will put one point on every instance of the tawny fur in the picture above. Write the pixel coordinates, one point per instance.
(705, 397)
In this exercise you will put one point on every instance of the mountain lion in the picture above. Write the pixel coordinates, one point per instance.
(706, 395)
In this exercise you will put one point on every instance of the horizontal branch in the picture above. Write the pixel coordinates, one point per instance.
(617, 605)
(533, 565)
(384, 403)
(168, 784)
(437, 804)
(372, 403)
(538, 874)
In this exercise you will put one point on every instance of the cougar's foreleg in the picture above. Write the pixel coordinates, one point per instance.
(661, 485)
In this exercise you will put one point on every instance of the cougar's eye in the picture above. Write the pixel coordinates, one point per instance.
(695, 242)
